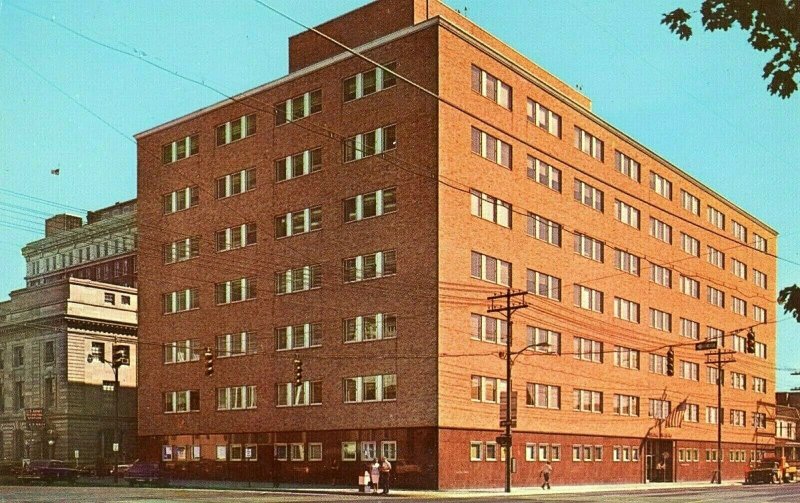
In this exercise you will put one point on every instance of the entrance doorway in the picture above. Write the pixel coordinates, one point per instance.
(659, 460)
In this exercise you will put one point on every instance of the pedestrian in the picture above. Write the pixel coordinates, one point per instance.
(385, 472)
(334, 470)
(546, 471)
(375, 475)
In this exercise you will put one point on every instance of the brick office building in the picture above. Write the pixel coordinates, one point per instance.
(345, 218)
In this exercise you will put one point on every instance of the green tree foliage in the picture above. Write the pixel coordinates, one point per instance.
(774, 26)
(789, 297)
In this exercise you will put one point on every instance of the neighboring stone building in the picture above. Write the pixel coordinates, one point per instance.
(355, 222)
(104, 249)
(46, 334)
(787, 420)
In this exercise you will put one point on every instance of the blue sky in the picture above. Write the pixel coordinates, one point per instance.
(700, 104)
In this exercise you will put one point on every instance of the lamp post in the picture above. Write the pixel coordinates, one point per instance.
(118, 359)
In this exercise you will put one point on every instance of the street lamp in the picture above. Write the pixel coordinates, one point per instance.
(118, 359)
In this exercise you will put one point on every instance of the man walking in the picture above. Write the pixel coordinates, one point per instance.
(385, 469)
(547, 470)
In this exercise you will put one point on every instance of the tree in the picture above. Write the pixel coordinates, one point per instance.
(774, 25)
(789, 297)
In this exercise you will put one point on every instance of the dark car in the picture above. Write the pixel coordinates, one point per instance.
(48, 471)
(145, 472)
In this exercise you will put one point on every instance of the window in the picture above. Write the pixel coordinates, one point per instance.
(738, 306)
(487, 389)
(626, 214)
(235, 290)
(315, 451)
(491, 87)
(716, 297)
(690, 371)
(739, 231)
(349, 451)
(307, 335)
(759, 278)
(370, 82)
(49, 352)
(738, 380)
(544, 396)
(660, 185)
(236, 398)
(690, 203)
(491, 451)
(588, 298)
(236, 183)
(298, 222)
(759, 314)
(588, 144)
(530, 452)
(658, 364)
(690, 245)
(659, 409)
(490, 269)
(716, 218)
(712, 415)
(491, 148)
(476, 451)
(370, 266)
(759, 243)
(626, 358)
(716, 335)
(759, 385)
(739, 343)
(236, 129)
(544, 229)
(372, 204)
(691, 413)
(716, 257)
(374, 388)
(49, 392)
(299, 164)
(627, 310)
(660, 230)
(544, 118)
(490, 208)
(660, 320)
(294, 395)
(690, 287)
(761, 350)
(296, 452)
(236, 344)
(179, 149)
(370, 327)
(627, 262)
(181, 300)
(626, 405)
(785, 429)
(389, 450)
(543, 340)
(738, 268)
(298, 107)
(545, 285)
(588, 195)
(544, 174)
(109, 298)
(236, 237)
(759, 420)
(181, 351)
(485, 328)
(589, 247)
(180, 250)
(179, 200)
(299, 279)
(587, 350)
(660, 275)
(690, 329)
(584, 400)
(181, 401)
(627, 166)
(370, 143)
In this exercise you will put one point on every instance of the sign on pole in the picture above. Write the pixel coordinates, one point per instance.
(706, 345)
(34, 418)
(503, 418)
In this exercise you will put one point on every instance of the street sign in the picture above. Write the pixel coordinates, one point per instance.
(34, 418)
(115, 447)
(503, 440)
(77, 453)
(7, 427)
(503, 419)
(706, 345)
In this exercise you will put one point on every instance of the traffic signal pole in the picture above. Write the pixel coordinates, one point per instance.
(719, 413)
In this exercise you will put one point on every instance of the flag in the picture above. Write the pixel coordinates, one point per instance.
(55, 171)
(675, 418)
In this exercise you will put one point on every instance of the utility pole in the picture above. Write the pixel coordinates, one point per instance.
(508, 309)
(716, 359)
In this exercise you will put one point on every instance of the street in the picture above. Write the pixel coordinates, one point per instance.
(55, 494)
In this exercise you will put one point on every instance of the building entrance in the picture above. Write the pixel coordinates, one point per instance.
(659, 460)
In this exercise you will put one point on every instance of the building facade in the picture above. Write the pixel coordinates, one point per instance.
(333, 237)
(787, 419)
(103, 249)
(52, 400)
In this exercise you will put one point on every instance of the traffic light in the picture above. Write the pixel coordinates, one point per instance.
(298, 372)
(120, 356)
(670, 362)
(750, 347)
(209, 355)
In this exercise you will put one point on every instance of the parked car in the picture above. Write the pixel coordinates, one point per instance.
(48, 471)
(145, 472)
